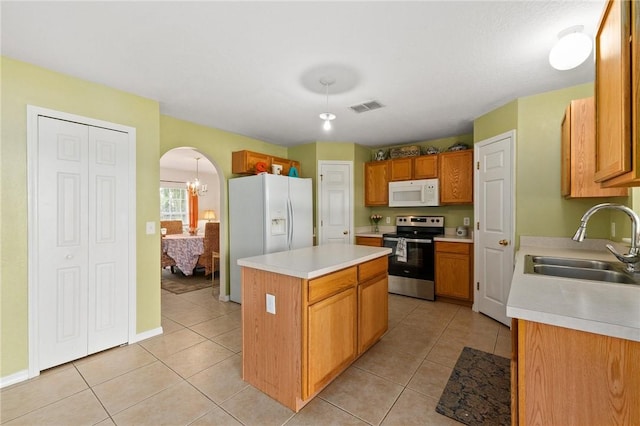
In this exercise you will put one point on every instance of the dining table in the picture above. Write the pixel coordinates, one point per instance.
(184, 249)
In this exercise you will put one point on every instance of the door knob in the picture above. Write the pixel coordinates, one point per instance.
(503, 242)
(345, 232)
(69, 256)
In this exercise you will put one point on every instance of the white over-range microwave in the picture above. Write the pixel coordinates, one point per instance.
(414, 193)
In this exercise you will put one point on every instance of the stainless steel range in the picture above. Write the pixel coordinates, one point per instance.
(411, 262)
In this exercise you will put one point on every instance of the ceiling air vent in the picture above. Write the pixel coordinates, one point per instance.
(366, 106)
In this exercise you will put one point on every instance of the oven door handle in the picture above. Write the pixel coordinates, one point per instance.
(409, 240)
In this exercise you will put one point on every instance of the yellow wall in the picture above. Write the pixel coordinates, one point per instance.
(217, 146)
(453, 215)
(24, 84)
(540, 209)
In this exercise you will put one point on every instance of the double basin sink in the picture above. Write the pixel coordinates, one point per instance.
(579, 269)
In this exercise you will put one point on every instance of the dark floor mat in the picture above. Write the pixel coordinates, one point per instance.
(478, 390)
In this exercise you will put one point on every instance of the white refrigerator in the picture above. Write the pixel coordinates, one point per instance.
(267, 214)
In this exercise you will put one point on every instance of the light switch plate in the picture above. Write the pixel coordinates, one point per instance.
(271, 304)
(151, 228)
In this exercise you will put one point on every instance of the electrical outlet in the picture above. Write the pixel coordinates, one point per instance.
(151, 228)
(466, 221)
(388, 220)
(271, 304)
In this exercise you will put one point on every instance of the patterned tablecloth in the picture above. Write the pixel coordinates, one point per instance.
(184, 249)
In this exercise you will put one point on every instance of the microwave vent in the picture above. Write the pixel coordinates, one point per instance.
(366, 106)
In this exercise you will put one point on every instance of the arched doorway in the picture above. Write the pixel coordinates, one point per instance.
(181, 165)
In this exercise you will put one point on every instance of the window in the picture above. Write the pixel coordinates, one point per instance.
(174, 204)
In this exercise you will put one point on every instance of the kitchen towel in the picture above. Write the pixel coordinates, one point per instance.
(401, 250)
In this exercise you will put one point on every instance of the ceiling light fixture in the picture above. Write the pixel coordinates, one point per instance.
(195, 187)
(571, 50)
(327, 116)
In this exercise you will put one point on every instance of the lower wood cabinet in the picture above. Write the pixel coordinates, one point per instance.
(369, 241)
(562, 376)
(320, 326)
(454, 272)
(373, 302)
(332, 330)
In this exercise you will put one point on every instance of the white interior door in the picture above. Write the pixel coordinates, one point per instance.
(494, 212)
(82, 244)
(335, 186)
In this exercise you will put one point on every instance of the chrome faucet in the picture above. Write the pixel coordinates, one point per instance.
(631, 259)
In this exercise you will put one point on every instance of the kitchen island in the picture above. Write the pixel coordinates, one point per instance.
(307, 314)
(575, 343)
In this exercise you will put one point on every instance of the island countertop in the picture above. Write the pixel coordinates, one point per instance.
(312, 262)
(609, 309)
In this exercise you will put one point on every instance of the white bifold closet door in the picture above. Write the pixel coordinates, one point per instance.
(82, 228)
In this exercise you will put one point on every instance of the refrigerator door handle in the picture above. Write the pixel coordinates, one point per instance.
(289, 224)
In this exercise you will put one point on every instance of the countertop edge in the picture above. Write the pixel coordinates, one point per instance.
(284, 262)
(575, 304)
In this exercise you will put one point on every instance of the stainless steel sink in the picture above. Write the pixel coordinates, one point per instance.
(576, 263)
(579, 269)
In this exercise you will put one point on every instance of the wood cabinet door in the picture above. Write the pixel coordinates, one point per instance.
(425, 167)
(376, 183)
(453, 270)
(565, 153)
(401, 169)
(244, 162)
(578, 153)
(332, 337)
(613, 92)
(373, 311)
(571, 377)
(456, 177)
(369, 241)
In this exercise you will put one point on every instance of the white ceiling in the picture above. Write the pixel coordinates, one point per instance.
(253, 68)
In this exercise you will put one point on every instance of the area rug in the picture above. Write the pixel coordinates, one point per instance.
(178, 283)
(478, 390)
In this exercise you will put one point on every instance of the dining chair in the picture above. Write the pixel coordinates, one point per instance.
(211, 244)
(172, 227)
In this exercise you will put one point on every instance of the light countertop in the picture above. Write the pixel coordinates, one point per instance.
(609, 309)
(369, 234)
(312, 262)
(454, 239)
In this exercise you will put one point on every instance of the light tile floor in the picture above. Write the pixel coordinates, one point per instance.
(191, 375)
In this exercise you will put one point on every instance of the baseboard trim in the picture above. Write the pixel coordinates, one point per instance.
(223, 298)
(14, 378)
(146, 335)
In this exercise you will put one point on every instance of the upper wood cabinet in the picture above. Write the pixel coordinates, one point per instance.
(616, 92)
(376, 183)
(244, 162)
(425, 167)
(420, 167)
(401, 169)
(455, 171)
(578, 147)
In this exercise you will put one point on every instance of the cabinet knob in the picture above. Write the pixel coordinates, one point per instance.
(345, 232)
(503, 242)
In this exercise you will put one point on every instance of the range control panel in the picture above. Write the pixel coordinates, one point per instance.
(421, 221)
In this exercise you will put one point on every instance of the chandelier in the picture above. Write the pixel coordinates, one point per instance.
(194, 186)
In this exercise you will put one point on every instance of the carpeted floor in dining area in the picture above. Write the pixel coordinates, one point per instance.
(178, 283)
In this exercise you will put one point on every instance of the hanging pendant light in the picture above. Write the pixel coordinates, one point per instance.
(571, 50)
(327, 117)
(194, 186)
